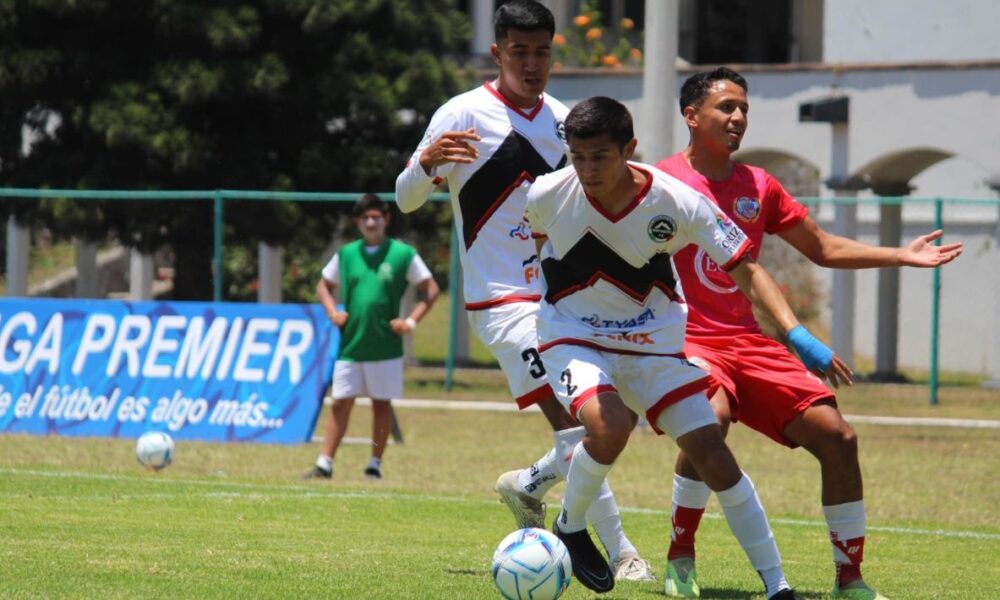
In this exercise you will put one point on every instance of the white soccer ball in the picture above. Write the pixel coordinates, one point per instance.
(531, 564)
(154, 450)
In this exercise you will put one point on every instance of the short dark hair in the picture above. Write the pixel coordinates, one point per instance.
(696, 87)
(369, 202)
(523, 15)
(597, 115)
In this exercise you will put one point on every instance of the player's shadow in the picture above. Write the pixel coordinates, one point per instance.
(711, 593)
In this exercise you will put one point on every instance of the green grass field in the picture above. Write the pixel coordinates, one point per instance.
(80, 519)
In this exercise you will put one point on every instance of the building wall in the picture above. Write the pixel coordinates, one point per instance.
(910, 30)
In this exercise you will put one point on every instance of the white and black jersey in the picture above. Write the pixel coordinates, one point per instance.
(610, 278)
(498, 255)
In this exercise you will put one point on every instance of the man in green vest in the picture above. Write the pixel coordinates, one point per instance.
(368, 278)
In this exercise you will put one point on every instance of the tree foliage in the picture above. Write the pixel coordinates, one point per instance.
(305, 95)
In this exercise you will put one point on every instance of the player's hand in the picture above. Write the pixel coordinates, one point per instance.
(922, 252)
(338, 318)
(837, 373)
(450, 147)
(399, 327)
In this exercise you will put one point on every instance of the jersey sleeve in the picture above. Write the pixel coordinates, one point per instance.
(413, 185)
(716, 233)
(418, 271)
(531, 210)
(331, 272)
(784, 211)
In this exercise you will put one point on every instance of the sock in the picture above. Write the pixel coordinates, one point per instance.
(748, 523)
(565, 442)
(606, 519)
(375, 463)
(690, 499)
(847, 535)
(325, 463)
(539, 478)
(582, 485)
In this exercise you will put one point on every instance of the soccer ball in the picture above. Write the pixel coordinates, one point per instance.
(154, 450)
(531, 564)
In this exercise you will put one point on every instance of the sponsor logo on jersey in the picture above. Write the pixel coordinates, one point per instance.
(723, 221)
(521, 232)
(532, 269)
(734, 239)
(385, 272)
(746, 208)
(639, 339)
(711, 276)
(599, 322)
(561, 131)
(661, 228)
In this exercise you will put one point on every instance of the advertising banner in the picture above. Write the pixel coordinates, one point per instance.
(197, 370)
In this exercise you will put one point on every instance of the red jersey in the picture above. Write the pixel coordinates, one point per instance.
(759, 205)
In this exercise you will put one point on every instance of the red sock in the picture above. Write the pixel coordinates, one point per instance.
(685, 523)
(854, 551)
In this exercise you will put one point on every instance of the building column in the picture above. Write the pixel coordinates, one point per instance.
(659, 81)
(86, 268)
(994, 370)
(18, 257)
(270, 268)
(140, 270)
(890, 228)
(481, 15)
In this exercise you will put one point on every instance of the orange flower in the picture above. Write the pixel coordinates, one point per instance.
(559, 39)
(627, 23)
(556, 66)
(593, 33)
(581, 20)
(609, 61)
(635, 54)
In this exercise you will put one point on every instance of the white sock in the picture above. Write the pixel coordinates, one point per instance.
(539, 478)
(690, 493)
(374, 463)
(582, 486)
(604, 516)
(565, 442)
(748, 523)
(846, 522)
(324, 462)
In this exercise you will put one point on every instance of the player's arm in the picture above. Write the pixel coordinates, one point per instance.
(427, 292)
(765, 294)
(828, 250)
(326, 292)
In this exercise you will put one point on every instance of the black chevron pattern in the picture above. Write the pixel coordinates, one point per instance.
(590, 259)
(515, 161)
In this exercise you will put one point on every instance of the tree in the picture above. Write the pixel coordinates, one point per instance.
(241, 94)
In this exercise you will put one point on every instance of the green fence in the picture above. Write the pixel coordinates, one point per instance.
(219, 197)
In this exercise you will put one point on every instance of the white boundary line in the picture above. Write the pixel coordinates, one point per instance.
(864, 419)
(312, 491)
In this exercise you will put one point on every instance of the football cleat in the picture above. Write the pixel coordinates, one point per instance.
(630, 567)
(682, 579)
(317, 473)
(589, 566)
(527, 511)
(857, 590)
(785, 594)
(373, 473)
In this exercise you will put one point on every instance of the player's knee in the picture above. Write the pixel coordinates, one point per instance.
(837, 445)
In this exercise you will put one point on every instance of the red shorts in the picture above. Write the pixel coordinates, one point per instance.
(766, 384)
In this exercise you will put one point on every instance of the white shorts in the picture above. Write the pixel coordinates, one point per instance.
(649, 385)
(377, 379)
(508, 331)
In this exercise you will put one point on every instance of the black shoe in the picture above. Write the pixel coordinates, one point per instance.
(317, 473)
(589, 566)
(785, 594)
(373, 473)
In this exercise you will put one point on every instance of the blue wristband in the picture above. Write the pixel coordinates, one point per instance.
(813, 353)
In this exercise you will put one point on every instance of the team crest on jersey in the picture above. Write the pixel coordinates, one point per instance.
(746, 208)
(661, 228)
(385, 272)
(561, 131)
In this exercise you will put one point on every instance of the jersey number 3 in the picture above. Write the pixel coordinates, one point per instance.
(534, 361)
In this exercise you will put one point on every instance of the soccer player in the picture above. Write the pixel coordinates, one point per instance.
(755, 380)
(612, 325)
(370, 275)
(485, 143)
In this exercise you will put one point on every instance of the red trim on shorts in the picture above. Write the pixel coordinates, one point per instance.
(438, 180)
(534, 397)
(596, 346)
(673, 397)
(585, 395)
(502, 300)
(538, 236)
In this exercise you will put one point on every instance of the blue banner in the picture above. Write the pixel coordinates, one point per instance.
(197, 370)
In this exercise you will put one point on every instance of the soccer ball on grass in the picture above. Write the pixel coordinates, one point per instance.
(531, 564)
(154, 450)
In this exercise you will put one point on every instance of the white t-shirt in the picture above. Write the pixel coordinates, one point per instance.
(497, 252)
(417, 272)
(610, 278)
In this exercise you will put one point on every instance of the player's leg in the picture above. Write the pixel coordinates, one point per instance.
(822, 430)
(383, 380)
(348, 382)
